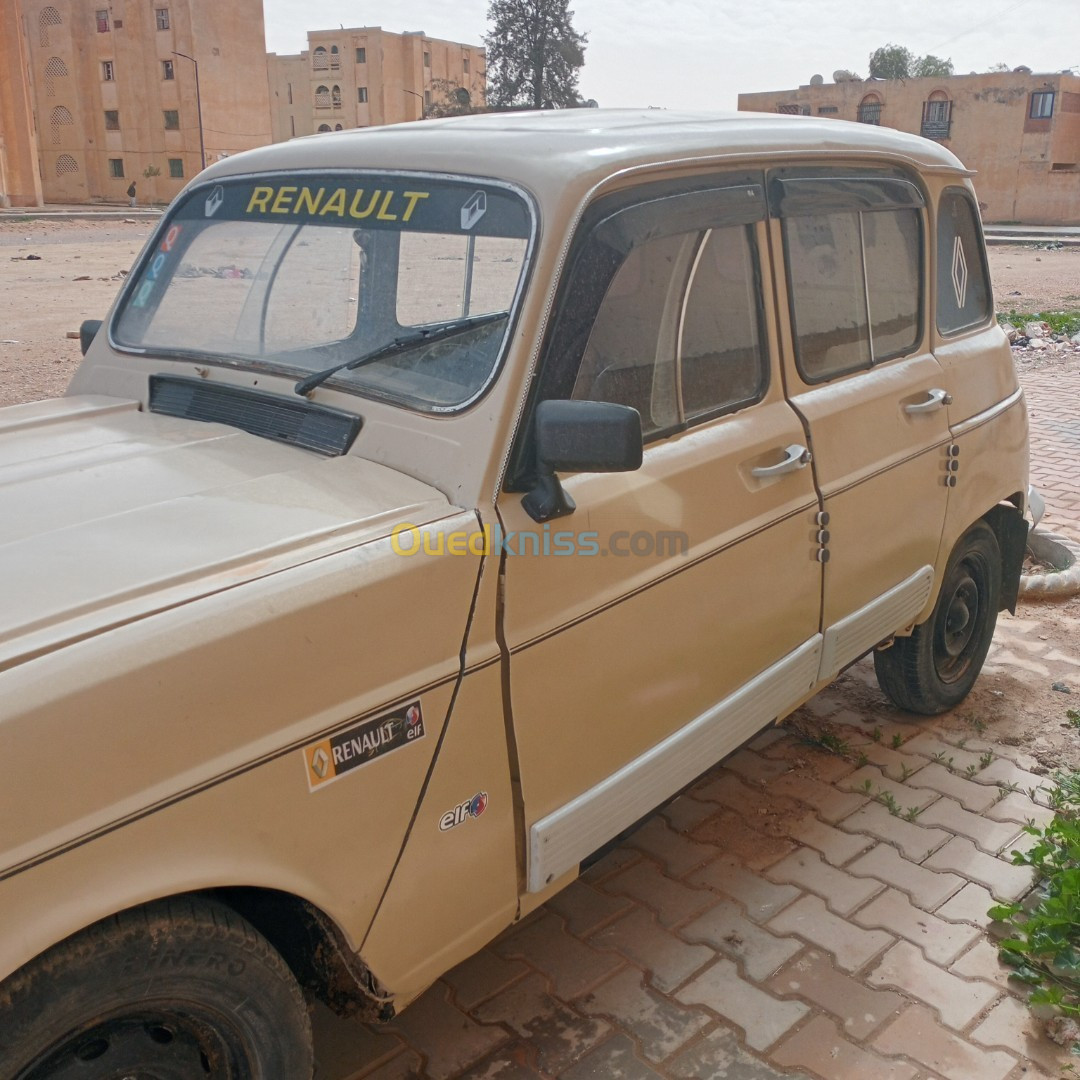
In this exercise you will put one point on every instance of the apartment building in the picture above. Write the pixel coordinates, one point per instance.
(143, 90)
(1019, 131)
(365, 76)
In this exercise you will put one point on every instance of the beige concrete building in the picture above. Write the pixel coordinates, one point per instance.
(366, 76)
(20, 184)
(1019, 131)
(114, 95)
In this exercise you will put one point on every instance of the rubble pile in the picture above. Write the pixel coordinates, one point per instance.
(1034, 341)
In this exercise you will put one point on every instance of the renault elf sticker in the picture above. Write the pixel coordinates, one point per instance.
(471, 808)
(331, 758)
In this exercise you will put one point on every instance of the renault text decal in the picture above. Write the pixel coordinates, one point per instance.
(329, 759)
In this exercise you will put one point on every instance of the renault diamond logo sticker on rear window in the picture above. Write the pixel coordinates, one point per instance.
(474, 209)
(959, 273)
(214, 200)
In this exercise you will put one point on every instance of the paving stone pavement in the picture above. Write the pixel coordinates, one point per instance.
(795, 913)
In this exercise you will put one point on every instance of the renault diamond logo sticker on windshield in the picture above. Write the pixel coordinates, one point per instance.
(959, 273)
(474, 209)
(214, 200)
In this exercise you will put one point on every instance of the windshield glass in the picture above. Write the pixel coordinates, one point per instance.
(299, 273)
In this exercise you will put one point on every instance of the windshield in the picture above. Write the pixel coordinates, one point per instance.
(301, 273)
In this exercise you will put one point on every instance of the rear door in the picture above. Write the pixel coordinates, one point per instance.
(860, 373)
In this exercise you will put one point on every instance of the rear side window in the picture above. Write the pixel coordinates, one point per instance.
(854, 255)
(963, 284)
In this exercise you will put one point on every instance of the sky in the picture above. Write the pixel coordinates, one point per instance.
(697, 54)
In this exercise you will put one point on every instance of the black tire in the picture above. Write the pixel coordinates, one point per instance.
(935, 668)
(181, 989)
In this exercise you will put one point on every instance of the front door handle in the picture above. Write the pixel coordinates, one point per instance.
(795, 457)
(935, 399)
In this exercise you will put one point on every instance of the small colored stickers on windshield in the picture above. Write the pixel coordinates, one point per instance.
(153, 272)
(329, 759)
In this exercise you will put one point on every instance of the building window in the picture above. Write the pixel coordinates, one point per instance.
(292, 125)
(161, 14)
(48, 16)
(58, 118)
(1042, 105)
(427, 59)
(361, 56)
(176, 168)
(827, 110)
(116, 168)
(319, 60)
(324, 127)
(335, 97)
(167, 69)
(322, 97)
(335, 58)
(172, 119)
(337, 127)
(465, 65)
(107, 70)
(937, 116)
(65, 163)
(290, 93)
(102, 18)
(54, 69)
(870, 110)
(361, 95)
(112, 120)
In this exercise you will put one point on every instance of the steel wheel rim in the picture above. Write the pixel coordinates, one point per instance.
(960, 616)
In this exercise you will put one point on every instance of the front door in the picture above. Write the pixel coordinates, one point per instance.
(676, 611)
(872, 395)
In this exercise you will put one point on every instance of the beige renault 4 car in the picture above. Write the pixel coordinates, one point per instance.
(434, 503)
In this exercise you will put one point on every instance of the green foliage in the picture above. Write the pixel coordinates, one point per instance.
(898, 62)
(1073, 717)
(891, 62)
(1043, 946)
(533, 54)
(931, 67)
(1060, 322)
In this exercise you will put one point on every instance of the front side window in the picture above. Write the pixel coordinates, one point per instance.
(964, 298)
(678, 332)
(295, 274)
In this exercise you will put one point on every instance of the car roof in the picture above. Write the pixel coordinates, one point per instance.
(574, 149)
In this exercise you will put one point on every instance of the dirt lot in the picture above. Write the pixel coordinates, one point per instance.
(81, 267)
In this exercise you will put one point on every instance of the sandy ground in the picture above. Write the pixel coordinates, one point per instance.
(79, 273)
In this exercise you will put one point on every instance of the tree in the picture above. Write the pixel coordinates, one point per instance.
(533, 54)
(932, 67)
(891, 62)
(897, 62)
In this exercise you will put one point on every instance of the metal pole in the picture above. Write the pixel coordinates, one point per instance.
(198, 104)
(416, 95)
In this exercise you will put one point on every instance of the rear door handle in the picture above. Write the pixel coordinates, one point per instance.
(795, 457)
(935, 399)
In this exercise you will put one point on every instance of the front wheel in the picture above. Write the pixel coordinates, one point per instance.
(935, 668)
(183, 989)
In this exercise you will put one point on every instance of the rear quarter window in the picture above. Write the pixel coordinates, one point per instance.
(963, 282)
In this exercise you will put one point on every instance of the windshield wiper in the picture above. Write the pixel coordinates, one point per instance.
(400, 345)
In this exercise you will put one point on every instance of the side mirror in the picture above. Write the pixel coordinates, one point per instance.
(87, 333)
(579, 436)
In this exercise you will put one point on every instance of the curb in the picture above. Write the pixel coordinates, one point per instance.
(1060, 551)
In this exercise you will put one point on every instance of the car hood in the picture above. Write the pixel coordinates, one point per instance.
(109, 513)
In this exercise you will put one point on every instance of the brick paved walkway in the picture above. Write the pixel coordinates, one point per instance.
(797, 913)
(1053, 399)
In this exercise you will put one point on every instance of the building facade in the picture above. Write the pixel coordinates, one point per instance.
(366, 76)
(1019, 132)
(117, 88)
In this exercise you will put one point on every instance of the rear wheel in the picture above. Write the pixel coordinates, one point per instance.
(183, 989)
(935, 668)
